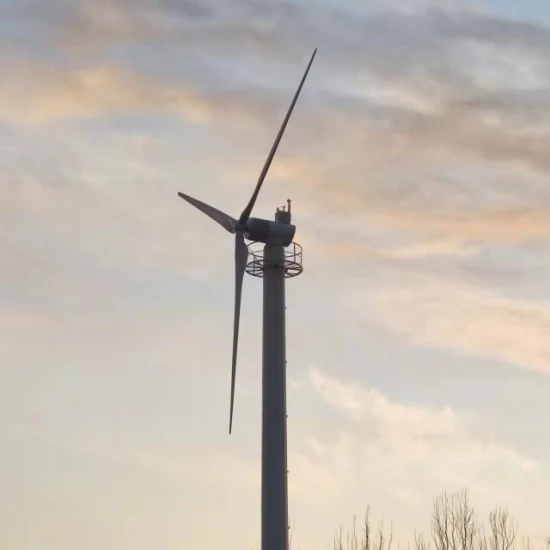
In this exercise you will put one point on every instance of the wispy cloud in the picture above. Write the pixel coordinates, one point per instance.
(429, 93)
(465, 319)
(412, 448)
(43, 92)
(392, 419)
(418, 164)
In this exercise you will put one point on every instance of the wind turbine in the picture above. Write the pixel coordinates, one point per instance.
(280, 258)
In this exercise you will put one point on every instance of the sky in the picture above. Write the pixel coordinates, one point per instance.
(418, 335)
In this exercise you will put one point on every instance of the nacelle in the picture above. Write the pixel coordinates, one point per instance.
(265, 231)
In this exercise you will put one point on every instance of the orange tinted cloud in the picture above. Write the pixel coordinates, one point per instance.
(465, 319)
(41, 93)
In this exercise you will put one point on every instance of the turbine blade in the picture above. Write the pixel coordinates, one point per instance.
(241, 257)
(248, 209)
(225, 220)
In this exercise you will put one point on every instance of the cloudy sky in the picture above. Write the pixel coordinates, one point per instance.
(419, 333)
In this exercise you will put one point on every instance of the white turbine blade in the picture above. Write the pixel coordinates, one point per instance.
(241, 257)
(225, 220)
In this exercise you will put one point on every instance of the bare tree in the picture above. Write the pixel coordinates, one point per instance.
(366, 540)
(354, 540)
(481, 538)
(454, 525)
(339, 540)
(351, 540)
(526, 543)
(383, 543)
(503, 529)
(420, 543)
(441, 522)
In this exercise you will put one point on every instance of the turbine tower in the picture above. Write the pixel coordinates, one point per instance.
(277, 258)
